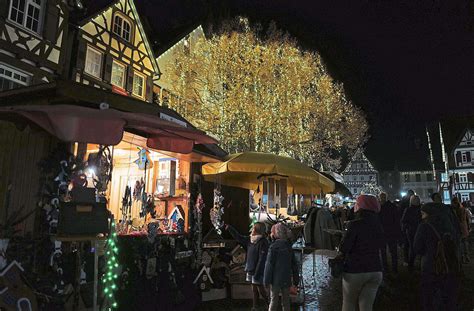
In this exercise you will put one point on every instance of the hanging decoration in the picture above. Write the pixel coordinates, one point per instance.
(144, 160)
(217, 211)
(100, 164)
(198, 231)
(126, 205)
(110, 278)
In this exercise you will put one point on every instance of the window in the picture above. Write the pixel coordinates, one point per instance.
(93, 62)
(11, 78)
(361, 177)
(464, 157)
(122, 27)
(464, 197)
(429, 177)
(407, 178)
(27, 13)
(418, 177)
(462, 177)
(138, 81)
(118, 74)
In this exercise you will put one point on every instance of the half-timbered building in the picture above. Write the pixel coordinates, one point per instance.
(112, 51)
(359, 173)
(463, 171)
(32, 41)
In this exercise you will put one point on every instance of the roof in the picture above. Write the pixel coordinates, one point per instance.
(452, 130)
(92, 8)
(72, 93)
(165, 28)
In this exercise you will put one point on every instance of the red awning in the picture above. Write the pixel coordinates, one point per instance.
(105, 127)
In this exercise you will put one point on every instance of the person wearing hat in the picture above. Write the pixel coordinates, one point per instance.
(410, 220)
(439, 291)
(361, 250)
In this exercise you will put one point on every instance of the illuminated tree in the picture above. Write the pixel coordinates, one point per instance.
(263, 93)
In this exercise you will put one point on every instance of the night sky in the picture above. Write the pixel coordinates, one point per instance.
(405, 64)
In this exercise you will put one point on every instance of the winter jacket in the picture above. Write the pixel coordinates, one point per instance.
(410, 220)
(281, 265)
(323, 239)
(426, 242)
(390, 220)
(256, 253)
(362, 242)
(464, 220)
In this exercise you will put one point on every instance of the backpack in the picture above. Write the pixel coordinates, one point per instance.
(446, 259)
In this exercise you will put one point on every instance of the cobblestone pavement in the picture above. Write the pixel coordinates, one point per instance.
(397, 293)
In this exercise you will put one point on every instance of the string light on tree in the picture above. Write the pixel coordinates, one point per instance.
(264, 93)
(110, 277)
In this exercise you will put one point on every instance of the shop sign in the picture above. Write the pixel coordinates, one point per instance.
(171, 119)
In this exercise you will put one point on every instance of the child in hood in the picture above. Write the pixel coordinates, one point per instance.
(281, 269)
(256, 246)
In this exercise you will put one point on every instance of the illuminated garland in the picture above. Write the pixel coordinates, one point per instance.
(110, 277)
(264, 94)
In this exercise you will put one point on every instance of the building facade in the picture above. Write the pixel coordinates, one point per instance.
(462, 174)
(360, 173)
(112, 52)
(423, 183)
(32, 42)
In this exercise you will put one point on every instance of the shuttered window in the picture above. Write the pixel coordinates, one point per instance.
(122, 27)
(118, 74)
(11, 78)
(27, 13)
(138, 85)
(93, 64)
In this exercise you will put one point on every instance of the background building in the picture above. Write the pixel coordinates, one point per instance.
(359, 172)
(422, 182)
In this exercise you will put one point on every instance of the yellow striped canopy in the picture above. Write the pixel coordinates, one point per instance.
(247, 170)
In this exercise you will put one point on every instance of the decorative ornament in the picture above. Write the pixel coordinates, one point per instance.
(144, 160)
(15, 294)
(199, 206)
(217, 211)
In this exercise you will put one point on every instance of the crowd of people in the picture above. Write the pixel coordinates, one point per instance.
(363, 235)
(435, 232)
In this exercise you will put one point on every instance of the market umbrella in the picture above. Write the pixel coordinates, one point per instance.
(245, 170)
(339, 186)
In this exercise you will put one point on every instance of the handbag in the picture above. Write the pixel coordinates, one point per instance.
(336, 265)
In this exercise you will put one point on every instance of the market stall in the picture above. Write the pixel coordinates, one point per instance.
(122, 188)
(277, 187)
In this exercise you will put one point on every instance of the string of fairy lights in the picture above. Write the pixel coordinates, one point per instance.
(110, 277)
(264, 95)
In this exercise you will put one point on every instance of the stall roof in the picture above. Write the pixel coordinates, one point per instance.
(69, 111)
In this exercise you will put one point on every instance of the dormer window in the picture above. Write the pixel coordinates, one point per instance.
(27, 13)
(122, 27)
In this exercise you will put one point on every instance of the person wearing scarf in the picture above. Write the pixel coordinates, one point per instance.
(256, 246)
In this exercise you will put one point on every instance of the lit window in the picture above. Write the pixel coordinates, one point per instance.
(462, 177)
(11, 78)
(93, 62)
(27, 13)
(118, 74)
(122, 27)
(138, 85)
(464, 197)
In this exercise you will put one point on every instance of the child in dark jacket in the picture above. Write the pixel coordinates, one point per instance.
(256, 246)
(280, 268)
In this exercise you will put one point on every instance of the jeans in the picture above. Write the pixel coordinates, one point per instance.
(360, 288)
(393, 249)
(285, 298)
(439, 293)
